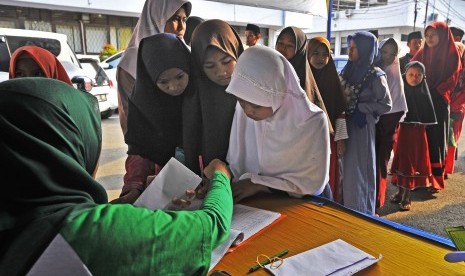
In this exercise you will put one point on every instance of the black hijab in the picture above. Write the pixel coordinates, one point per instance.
(209, 110)
(50, 141)
(419, 103)
(154, 117)
(191, 24)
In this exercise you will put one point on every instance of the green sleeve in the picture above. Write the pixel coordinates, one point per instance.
(126, 240)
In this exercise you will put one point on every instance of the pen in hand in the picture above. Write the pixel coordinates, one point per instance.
(268, 260)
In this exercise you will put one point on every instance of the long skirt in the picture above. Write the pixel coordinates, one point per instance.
(386, 130)
(334, 171)
(457, 123)
(411, 167)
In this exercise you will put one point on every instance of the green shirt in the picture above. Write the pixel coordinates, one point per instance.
(127, 240)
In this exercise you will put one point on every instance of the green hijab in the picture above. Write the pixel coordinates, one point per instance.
(50, 141)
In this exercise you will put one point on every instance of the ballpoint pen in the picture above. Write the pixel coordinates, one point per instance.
(268, 260)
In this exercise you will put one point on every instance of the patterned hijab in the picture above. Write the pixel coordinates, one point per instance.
(154, 117)
(152, 21)
(50, 142)
(442, 61)
(47, 62)
(209, 110)
(327, 80)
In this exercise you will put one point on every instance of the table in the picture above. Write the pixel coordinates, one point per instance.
(308, 225)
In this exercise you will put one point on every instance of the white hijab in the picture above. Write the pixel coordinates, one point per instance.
(152, 21)
(394, 80)
(288, 151)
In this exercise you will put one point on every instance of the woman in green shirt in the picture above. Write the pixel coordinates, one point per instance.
(50, 145)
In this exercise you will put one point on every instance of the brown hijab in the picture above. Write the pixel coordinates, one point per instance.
(327, 80)
(208, 110)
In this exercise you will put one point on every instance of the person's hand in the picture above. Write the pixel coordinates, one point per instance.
(183, 203)
(130, 197)
(216, 165)
(149, 180)
(245, 188)
(341, 148)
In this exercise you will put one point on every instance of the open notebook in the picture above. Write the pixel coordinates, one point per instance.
(247, 223)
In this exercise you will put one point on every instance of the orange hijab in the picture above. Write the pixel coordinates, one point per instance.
(49, 64)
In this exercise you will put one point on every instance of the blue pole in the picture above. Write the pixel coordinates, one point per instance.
(330, 17)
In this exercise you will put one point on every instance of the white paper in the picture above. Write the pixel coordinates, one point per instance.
(335, 258)
(235, 237)
(59, 259)
(249, 220)
(172, 181)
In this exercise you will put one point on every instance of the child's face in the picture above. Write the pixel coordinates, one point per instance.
(177, 23)
(286, 45)
(414, 76)
(388, 54)
(173, 81)
(255, 112)
(218, 66)
(320, 57)
(353, 51)
(431, 38)
(27, 67)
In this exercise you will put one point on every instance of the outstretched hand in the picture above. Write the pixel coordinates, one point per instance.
(245, 188)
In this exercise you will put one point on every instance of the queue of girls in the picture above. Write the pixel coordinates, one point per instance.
(262, 120)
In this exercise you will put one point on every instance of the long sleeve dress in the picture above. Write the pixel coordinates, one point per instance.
(359, 182)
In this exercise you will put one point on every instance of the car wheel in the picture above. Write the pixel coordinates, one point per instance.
(106, 114)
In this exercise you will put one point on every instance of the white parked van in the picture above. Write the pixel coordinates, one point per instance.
(12, 39)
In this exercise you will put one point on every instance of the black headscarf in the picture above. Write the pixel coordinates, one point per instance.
(191, 24)
(50, 141)
(154, 117)
(419, 103)
(209, 110)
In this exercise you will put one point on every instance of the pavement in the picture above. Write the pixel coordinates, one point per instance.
(429, 212)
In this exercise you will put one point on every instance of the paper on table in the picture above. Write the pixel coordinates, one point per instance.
(334, 258)
(249, 220)
(234, 238)
(172, 181)
(59, 259)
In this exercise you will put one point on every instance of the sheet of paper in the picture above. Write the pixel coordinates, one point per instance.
(457, 235)
(172, 181)
(336, 258)
(59, 259)
(235, 237)
(249, 220)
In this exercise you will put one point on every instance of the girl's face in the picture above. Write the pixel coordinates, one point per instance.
(27, 67)
(431, 37)
(218, 66)
(353, 51)
(388, 54)
(255, 112)
(286, 45)
(173, 81)
(320, 57)
(177, 23)
(414, 76)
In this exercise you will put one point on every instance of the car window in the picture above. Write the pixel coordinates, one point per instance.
(114, 60)
(52, 45)
(93, 70)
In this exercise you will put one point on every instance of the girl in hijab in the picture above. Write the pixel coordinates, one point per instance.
(292, 44)
(155, 118)
(442, 64)
(51, 152)
(209, 110)
(411, 165)
(367, 93)
(33, 61)
(329, 85)
(279, 138)
(388, 124)
(158, 16)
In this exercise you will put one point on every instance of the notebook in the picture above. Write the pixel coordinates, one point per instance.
(247, 223)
